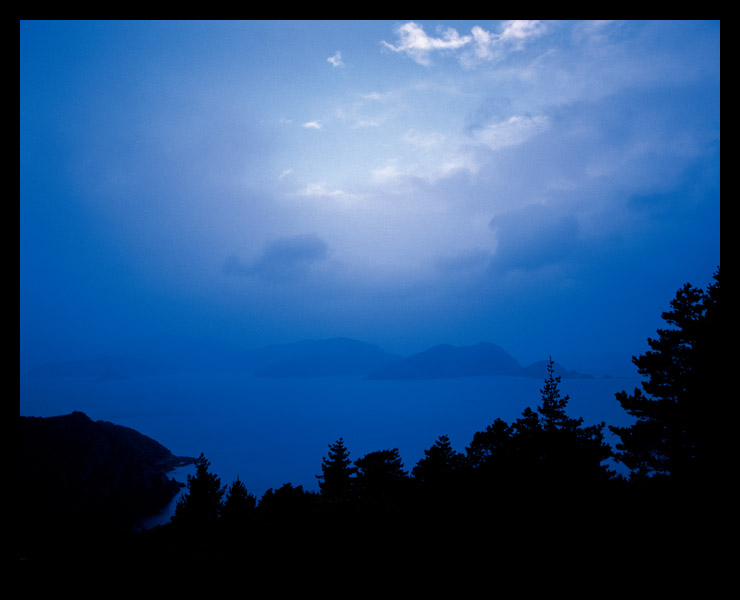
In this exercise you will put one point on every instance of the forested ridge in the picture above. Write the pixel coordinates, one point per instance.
(545, 479)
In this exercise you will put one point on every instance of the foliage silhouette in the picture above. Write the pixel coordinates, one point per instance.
(201, 506)
(337, 472)
(674, 417)
(439, 463)
(239, 506)
(380, 469)
(381, 480)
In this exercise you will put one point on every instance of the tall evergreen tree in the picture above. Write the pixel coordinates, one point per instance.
(337, 471)
(439, 462)
(553, 404)
(491, 446)
(201, 505)
(670, 436)
(239, 505)
(380, 472)
(555, 447)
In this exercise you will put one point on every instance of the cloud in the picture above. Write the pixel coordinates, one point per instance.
(414, 41)
(312, 125)
(283, 259)
(319, 190)
(336, 59)
(479, 45)
(424, 140)
(513, 131)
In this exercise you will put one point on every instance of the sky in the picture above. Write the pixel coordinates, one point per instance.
(543, 185)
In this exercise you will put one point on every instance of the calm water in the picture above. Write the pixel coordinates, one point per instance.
(268, 432)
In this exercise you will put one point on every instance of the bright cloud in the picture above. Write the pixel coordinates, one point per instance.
(336, 59)
(513, 131)
(416, 43)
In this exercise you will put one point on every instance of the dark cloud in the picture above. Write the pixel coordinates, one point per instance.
(283, 259)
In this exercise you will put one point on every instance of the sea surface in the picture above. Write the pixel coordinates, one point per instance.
(268, 432)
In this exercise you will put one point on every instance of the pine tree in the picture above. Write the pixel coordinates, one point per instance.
(201, 505)
(553, 405)
(671, 434)
(337, 472)
(556, 448)
(239, 505)
(380, 472)
(439, 462)
(491, 446)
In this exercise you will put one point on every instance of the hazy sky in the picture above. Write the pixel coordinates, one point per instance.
(543, 185)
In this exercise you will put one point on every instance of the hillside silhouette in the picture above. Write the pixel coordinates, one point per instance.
(79, 475)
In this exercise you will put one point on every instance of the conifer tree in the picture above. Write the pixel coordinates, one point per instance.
(239, 505)
(380, 472)
(492, 445)
(439, 461)
(337, 471)
(554, 447)
(553, 404)
(671, 434)
(202, 504)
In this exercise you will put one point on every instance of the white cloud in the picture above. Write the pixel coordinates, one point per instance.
(336, 59)
(520, 30)
(512, 132)
(312, 125)
(479, 45)
(386, 173)
(423, 140)
(416, 43)
(320, 190)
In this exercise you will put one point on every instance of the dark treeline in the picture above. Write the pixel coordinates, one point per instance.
(546, 480)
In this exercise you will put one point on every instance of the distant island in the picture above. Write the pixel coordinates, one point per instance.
(479, 360)
(309, 358)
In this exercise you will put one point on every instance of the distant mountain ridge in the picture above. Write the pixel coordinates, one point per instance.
(309, 358)
(483, 359)
(445, 360)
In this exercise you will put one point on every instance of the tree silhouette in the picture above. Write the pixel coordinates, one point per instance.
(490, 446)
(671, 434)
(238, 507)
(380, 473)
(543, 450)
(201, 505)
(337, 472)
(553, 405)
(439, 462)
(559, 448)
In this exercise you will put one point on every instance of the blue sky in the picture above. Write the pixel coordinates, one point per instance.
(543, 185)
